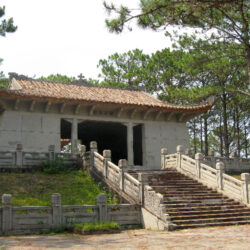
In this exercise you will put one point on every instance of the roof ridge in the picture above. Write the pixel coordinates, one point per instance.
(76, 82)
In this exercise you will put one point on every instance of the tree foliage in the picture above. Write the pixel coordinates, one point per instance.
(6, 25)
(189, 74)
(227, 20)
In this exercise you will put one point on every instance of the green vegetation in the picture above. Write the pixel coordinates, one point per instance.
(86, 228)
(56, 166)
(76, 188)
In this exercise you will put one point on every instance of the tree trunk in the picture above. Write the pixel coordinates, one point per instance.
(246, 141)
(201, 135)
(205, 135)
(237, 120)
(225, 127)
(194, 132)
(221, 138)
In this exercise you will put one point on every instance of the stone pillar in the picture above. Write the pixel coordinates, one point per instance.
(102, 205)
(83, 150)
(180, 151)
(93, 148)
(19, 155)
(56, 210)
(123, 165)
(74, 136)
(6, 213)
(212, 158)
(236, 164)
(245, 178)
(188, 152)
(198, 158)
(107, 157)
(51, 150)
(130, 144)
(220, 167)
(164, 153)
(143, 179)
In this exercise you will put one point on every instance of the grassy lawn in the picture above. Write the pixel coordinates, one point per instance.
(76, 188)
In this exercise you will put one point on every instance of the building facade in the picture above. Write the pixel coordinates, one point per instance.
(132, 124)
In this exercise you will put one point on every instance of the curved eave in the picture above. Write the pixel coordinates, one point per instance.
(172, 108)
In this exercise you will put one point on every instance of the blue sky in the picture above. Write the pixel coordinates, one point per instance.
(66, 37)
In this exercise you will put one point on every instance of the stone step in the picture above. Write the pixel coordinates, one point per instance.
(174, 188)
(194, 192)
(198, 201)
(179, 208)
(210, 216)
(212, 220)
(184, 205)
(211, 211)
(212, 224)
(191, 194)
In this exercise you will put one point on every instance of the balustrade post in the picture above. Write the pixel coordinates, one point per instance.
(123, 165)
(102, 206)
(188, 152)
(143, 179)
(93, 149)
(236, 164)
(56, 210)
(164, 153)
(180, 150)
(198, 158)
(245, 178)
(51, 150)
(6, 213)
(83, 155)
(19, 155)
(220, 168)
(107, 157)
(212, 158)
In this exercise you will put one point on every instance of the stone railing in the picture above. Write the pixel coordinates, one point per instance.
(114, 175)
(214, 178)
(22, 159)
(31, 219)
(134, 190)
(232, 165)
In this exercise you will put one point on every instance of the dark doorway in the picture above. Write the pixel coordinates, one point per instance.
(108, 135)
(137, 145)
(65, 132)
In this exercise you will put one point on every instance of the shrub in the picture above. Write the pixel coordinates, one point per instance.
(56, 166)
(85, 228)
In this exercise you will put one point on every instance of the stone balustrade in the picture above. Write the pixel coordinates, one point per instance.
(23, 159)
(37, 219)
(211, 177)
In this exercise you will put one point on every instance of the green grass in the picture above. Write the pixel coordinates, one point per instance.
(96, 226)
(76, 188)
(237, 176)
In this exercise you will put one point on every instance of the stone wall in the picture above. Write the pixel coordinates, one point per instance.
(159, 135)
(35, 131)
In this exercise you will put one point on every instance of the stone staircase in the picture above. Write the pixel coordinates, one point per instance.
(191, 204)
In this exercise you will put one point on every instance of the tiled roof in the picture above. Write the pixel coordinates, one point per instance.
(75, 93)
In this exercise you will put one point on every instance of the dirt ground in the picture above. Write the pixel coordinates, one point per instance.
(233, 237)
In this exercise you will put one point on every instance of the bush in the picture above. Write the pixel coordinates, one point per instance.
(56, 166)
(95, 227)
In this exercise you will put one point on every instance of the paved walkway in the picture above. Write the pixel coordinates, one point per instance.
(233, 237)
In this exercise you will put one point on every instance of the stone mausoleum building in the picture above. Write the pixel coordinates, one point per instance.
(132, 124)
